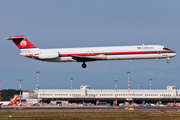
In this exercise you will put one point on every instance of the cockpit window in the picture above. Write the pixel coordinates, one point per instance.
(165, 48)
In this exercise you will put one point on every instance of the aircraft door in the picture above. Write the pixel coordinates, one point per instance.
(159, 51)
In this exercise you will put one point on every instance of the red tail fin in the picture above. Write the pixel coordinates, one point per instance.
(13, 100)
(21, 41)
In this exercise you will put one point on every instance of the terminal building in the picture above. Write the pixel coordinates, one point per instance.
(98, 96)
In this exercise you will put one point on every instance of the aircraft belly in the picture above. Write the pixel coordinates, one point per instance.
(136, 56)
(114, 57)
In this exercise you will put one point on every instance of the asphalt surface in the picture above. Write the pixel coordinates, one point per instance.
(121, 108)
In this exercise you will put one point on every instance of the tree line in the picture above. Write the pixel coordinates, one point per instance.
(7, 94)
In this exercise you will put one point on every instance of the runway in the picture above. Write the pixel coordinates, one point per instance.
(120, 108)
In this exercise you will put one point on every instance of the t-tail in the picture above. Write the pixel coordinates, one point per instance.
(27, 49)
(22, 43)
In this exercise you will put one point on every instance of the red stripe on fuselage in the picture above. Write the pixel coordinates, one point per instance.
(121, 53)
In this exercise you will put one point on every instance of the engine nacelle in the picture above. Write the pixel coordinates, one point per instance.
(50, 55)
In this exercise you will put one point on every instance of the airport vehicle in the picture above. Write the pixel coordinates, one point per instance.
(7, 103)
(88, 54)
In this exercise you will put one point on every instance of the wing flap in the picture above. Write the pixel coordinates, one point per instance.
(83, 58)
(88, 58)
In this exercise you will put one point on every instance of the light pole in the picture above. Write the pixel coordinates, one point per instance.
(128, 84)
(0, 90)
(20, 91)
(37, 83)
(138, 85)
(116, 90)
(150, 82)
(71, 82)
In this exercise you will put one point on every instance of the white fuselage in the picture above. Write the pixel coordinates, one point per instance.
(4, 103)
(88, 54)
(99, 53)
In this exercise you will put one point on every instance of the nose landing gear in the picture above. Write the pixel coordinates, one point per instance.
(84, 65)
(167, 60)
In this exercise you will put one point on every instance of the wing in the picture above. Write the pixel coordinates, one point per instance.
(88, 58)
(83, 58)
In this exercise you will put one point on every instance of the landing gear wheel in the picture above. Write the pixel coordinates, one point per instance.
(84, 65)
(168, 60)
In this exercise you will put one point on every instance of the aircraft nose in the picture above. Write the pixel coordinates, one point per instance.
(174, 53)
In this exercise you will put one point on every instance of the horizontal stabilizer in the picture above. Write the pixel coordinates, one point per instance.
(21, 41)
(19, 37)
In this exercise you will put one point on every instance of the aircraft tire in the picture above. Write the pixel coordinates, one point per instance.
(84, 65)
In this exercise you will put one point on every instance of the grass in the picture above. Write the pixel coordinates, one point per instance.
(53, 114)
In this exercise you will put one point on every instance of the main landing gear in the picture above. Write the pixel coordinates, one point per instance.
(168, 60)
(84, 65)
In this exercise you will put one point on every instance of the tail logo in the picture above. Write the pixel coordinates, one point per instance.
(23, 43)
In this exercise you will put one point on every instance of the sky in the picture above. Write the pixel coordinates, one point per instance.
(89, 23)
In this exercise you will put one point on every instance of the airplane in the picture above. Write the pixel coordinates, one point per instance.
(88, 54)
(7, 103)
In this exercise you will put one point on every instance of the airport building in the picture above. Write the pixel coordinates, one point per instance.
(98, 96)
